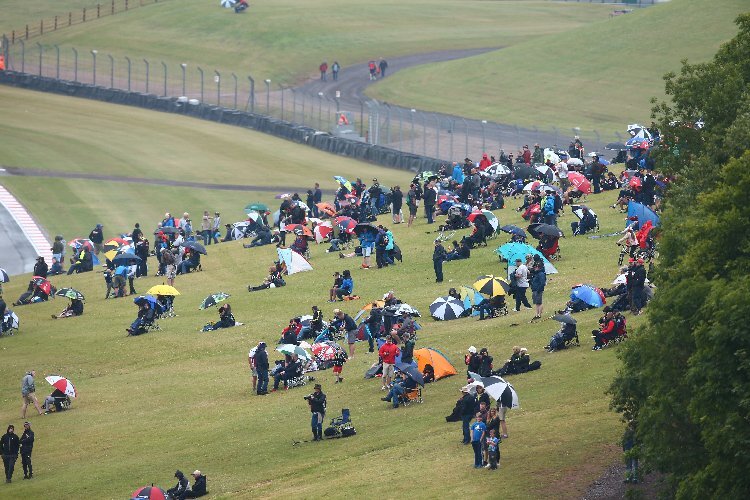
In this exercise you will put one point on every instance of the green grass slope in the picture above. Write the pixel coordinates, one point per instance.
(286, 40)
(181, 399)
(598, 77)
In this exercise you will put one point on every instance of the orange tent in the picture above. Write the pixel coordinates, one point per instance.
(441, 365)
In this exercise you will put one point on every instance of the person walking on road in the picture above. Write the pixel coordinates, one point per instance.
(383, 64)
(335, 70)
(323, 70)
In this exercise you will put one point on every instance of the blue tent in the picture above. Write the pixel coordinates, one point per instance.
(643, 213)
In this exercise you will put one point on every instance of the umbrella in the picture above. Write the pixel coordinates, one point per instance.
(253, 216)
(580, 182)
(299, 229)
(446, 197)
(194, 245)
(574, 161)
(256, 207)
(368, 307)
(565, 318)
(498, 389)
(511, 229)
(163, 290)
(167, 230)
(42, 283)
(346, 224)
(471, 298)
(497, 169)
(426, 175)
(533, 186)
(491, 285)
(491, 218)
(149, 299)
(304, 344)
(301, 204)
(635, 182)
(537, 230)
(326, 208)
(578, 211)
(446, 308)
(149, 493)
(411, 371)
(364, 226)
(324, 351)
(588, 294)
(281, 196)
(604, 161)
(77, 242)
(516, 250)
(228, 4)
(292, 349)
(322, 231)
(406, 309)
(214, 299)
(4, 276)
(125, 258)
(62, 384)
(13, 318)
(622, 279)
(343, 182)
(70, 293)
(550, 155)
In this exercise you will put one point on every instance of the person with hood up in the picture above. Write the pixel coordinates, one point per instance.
(9, 447)
(484, 162)
(261, 366)
(182, 486)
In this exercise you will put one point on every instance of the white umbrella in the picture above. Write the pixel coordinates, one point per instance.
(294, 349)
(62, 384)
(498, 169)
(498, 389)
(549, 154)
(446, 308)
(574, 161)
(228, 4)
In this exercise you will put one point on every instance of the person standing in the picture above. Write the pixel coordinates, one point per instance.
(318, 403)
(388, 353)
(383, 65)
(335, 70)
(317, 194)
(522, 284)
(216, 228)
(430, 197)
(346, 322)
(597, 169)
(27, 445)
(397, 200)
(412, 202)
(261, 366)
(438, 256)
(253, 370)
(97, 238)
(9, 446)
(637, 283)
(537, 284)
(206, 227)
(28, 393)
(323, 70)
(477, 438)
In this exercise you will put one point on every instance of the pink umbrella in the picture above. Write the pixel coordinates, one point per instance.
(322, 231)
(580, 182)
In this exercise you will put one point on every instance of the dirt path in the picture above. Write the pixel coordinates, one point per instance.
(610, 485)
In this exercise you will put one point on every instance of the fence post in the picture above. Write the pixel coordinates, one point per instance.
(217, 79)
(183, 66)
(411, 119)
(147, 74)
(111, 71)
(93, 54)
(23, 56)
(294, 105)
(387, 123)
(98, 10)
(499, 138)
(164, 65)
(251, 97)
(55, 23)
(437, 134)
(75, 65)
(466, 141)
(27, 32)
(330, 121)
(41, 27)
(41, 53)
(268, 96)
(484, 136)
(84, 14)
(57, 62)
(234, 77)
(400, 129)
(129, 64)
(361, 118)
(281, 87)
(556, 134)
(304, 96)
(113, 7)
(201, 73)
(320, 110)
(424, 134)
(450, 131)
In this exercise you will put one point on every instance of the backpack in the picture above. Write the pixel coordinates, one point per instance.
(549, 205)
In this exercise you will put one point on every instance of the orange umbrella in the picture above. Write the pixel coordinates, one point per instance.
(326, 208)
(299, 229)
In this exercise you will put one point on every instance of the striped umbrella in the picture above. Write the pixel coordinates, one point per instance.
(324, 351)
(491, 285)
(446, 308)
(346, 224)
(149, 493)
(4, 278)
(62, 384)
(70, 293)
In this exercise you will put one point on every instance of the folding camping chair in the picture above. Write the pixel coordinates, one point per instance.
(412, 396)
(341, 426)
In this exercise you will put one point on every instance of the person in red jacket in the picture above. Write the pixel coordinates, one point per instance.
(388, 353)
(484, 162)
(526, 155)
(323, 70)
(607, 331)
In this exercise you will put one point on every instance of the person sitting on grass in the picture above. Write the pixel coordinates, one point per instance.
(289, 370)
(428, 373)
(226, 319)
(347, 286)
(273, 280)
(191, 260)
(401, 385)
(181, 487)
(56, 268)
(198, 489)
(75, 308)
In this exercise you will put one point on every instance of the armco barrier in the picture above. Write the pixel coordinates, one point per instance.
(378, 155)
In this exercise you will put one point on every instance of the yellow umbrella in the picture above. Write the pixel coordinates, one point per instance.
(163, 290)
(491, 285)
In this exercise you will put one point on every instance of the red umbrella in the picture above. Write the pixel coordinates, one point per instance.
(346, 224)
(149, 493)
(635, 182)
(326, 208)
(446, 197)
(324, 352)
(322, 231)
(77, 242)
(299, 229)
(62, 384)
(42, 283)
(580, 182)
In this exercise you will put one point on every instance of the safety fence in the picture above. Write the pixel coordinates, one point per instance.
(86, 14)
(431, 135)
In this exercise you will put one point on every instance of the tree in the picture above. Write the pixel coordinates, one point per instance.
(685, 378)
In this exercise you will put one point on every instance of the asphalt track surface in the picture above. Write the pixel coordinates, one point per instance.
(17, 254)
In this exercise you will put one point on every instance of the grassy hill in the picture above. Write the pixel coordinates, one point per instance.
(598, 77)
(273, 40)
(181, 399)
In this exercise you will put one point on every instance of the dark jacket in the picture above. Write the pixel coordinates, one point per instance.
(474, 363)
(27, 442)
(348, 323)
(538, 280)
(261, 359)
(317, 403)
(639, 276)
(40, 269)
(9, 445)
(485, 365)
(96, 236)
(407, 352)
(439, 254)
(199, 486)
(468, 403)
(482, 398)
(430, 196)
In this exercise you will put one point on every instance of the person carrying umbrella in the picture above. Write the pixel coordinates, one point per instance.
(318, 403)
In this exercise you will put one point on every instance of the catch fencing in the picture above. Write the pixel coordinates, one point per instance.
(430, 135)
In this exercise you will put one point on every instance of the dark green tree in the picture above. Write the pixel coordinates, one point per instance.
(685, 377)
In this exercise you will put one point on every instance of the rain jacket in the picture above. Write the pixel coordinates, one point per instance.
(538, 280)
(27, 442)
(261, 359)
(9, 445)
(27, 384)
(458, 174)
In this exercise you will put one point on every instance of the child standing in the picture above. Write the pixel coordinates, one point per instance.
(338, 364)
(108, 281)
(493, 450)
(477, 437)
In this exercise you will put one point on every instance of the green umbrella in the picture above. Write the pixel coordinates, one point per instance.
(256, 207)
(214, 299)
(70, 293)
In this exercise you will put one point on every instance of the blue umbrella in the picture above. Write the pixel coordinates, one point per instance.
(643, 213)
(150, 299)
(125, 258)
(412, 372)
(518, 250)
(588, 295)
(511, 229)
